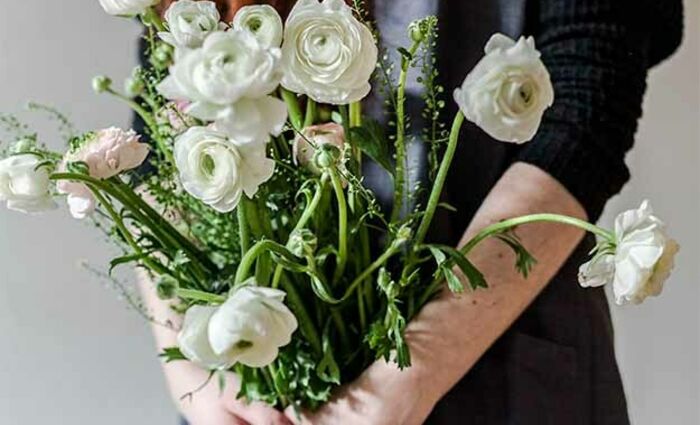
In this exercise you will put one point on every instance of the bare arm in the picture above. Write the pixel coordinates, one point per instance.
(442, 350)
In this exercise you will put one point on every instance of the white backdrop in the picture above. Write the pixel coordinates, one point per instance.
(72, 353)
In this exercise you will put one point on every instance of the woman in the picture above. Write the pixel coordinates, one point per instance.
(535, 351)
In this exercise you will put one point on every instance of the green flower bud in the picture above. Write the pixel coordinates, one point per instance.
(326, 156)
(134, 86)
(166, 287)
(162, 56)
(302, 243)
(101, 84)
(416, 31)
(403, 236)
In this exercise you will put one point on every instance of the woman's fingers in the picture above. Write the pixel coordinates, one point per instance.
(260, 413)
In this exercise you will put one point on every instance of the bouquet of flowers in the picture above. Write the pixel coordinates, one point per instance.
(247, 207)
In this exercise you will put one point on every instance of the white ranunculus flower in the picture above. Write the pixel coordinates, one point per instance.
(127, 7)
(508, 91)
(327, 53)
(190, 23)
(262, 21)
(642, 260)
(249, 328)
(230, 68)
(23, 186)
(218, 170)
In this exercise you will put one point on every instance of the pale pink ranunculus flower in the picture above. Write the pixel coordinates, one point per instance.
(107, 153)
(324, 134)
(110, 152)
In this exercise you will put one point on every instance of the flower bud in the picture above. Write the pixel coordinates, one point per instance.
(403, 236)
(101, 84)
(162, 56)
(326, 156)
(134, 86)
(416, 31)
(166, 287)
(302, 242)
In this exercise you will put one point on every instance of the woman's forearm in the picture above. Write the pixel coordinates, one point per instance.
(452, 332)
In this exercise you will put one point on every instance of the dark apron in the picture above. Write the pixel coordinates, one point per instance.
(556, 365)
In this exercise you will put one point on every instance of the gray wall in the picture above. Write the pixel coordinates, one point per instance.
(72, 353)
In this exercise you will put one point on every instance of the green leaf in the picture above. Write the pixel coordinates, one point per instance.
(126, 259)
(172, 354)
(453, 281)
(327, 368)
(322, 291)
(524, 261)
(405, 53)
(476, 278)
(447, 206)
(372, 142)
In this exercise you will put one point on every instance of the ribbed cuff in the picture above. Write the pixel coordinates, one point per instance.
(591, 176)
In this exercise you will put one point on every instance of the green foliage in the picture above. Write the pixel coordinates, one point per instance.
(370, 138)
(524, 261)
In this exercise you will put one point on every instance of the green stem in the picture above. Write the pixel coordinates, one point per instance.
(295, 115)
(163, 230)
(273, 373)
(152, 17)
(148, 119)
(379, 262)
(156, 267)
(303, 221)
(257, 250)
(355, 114)
(199, 258)
(311, 108)
(243, 230)
(440, 179)
(194, 295)
(505, 225)
(306, 325)
(400, 143)
(499, 228)
(342, 223)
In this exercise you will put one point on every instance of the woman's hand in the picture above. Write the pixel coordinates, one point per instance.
(383, 395)
(209, 405)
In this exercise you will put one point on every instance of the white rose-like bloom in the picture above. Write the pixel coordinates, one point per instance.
(263, 22)
(228, 81)
(23, 186)
(127, 7)
(249, 328)
(218, 170)
(327, 53)
(642, 261)
(190, 23)
(508, 91)
(324, 134)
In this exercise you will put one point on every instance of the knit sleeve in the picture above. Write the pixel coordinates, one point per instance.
(598, 54)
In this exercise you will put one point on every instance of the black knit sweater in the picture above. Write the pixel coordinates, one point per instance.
(598, 53)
